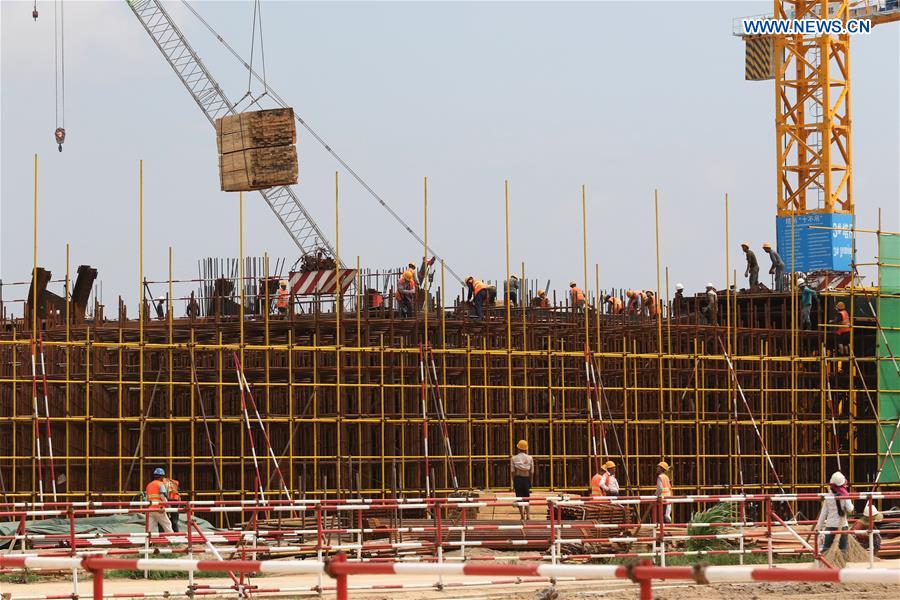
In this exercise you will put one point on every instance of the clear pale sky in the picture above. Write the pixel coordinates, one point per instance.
(623, 97)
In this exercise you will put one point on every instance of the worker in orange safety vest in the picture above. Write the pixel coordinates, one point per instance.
(406, 292)
(173, 495)
(157, 494)
(842, 332)
(283, 297)
(576, 296)
(664, 487)
(615, 305)
(477, 295)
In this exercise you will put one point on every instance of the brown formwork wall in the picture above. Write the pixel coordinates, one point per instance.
(347, 420)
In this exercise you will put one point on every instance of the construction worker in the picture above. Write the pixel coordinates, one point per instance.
(513, 290)
(609, 485)
(283, 297)
(752, 270)
(157, 494)
(712, 305)
(541, 301)
(422, 273)
(596, 488)
(867, 522)
(576, 296)
(160, 306)
(679, 302)
(614, 304)
(777, 268)
(406, 292)
(651, 303)
(172, 495)
(193, 309)
(522, 467)
(664, 488)
(477, 295)
(833, 515)
(807, 297)
(842, 333)
(634, 303)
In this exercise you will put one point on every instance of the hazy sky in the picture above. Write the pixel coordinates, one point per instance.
(620, 96)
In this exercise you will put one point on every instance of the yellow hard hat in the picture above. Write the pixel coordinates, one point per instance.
(407, 274)
(609, 465)
(541, 292)
(664, 465)
(767, 245)
(840, 306)
(282, 282)
(522, 445)
(629, 293)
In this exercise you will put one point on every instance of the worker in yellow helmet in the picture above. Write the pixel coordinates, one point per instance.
(541, 301)
(664, 487)
(609, 485)
(522, 468)
(478, 295)
(576, 295)
(283, 297)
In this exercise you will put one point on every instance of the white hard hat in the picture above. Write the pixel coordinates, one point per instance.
(573, 282)
(678, 286)
(837, 479)
(709, 285)
(871, 511)
(161, 298)
(801, 281)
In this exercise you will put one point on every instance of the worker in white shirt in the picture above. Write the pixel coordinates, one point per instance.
(608, 482)
(522, 468)
(833, 515)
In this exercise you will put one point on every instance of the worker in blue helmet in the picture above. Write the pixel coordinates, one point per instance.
(157, 496)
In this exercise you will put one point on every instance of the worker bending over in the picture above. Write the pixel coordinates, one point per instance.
(477, 295)
(808, 296)
(157, 494)
(867, 522)
(576, 296)
(522, 467)
(752, 270)
(664, 488)
(777, 268)
(614, 305)
(541, 301)
(513, 292)
(634, 303)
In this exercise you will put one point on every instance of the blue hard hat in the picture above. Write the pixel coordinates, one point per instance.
(158, 472)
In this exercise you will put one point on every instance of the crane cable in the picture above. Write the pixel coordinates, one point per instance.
(59, 66)
(280, 101)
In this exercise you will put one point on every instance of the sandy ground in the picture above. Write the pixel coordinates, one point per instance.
(475, 588)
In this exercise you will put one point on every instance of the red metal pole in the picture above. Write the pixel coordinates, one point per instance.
(98, 583)
(646, 589)
(341, 578)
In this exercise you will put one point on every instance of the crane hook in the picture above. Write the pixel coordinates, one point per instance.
(60, 135)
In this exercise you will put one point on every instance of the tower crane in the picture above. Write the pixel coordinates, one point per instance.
(814, 176)
(214, 103)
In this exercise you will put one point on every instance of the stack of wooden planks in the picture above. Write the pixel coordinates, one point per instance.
(256, 150)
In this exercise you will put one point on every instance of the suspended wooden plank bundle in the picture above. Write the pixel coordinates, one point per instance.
(256, 150)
